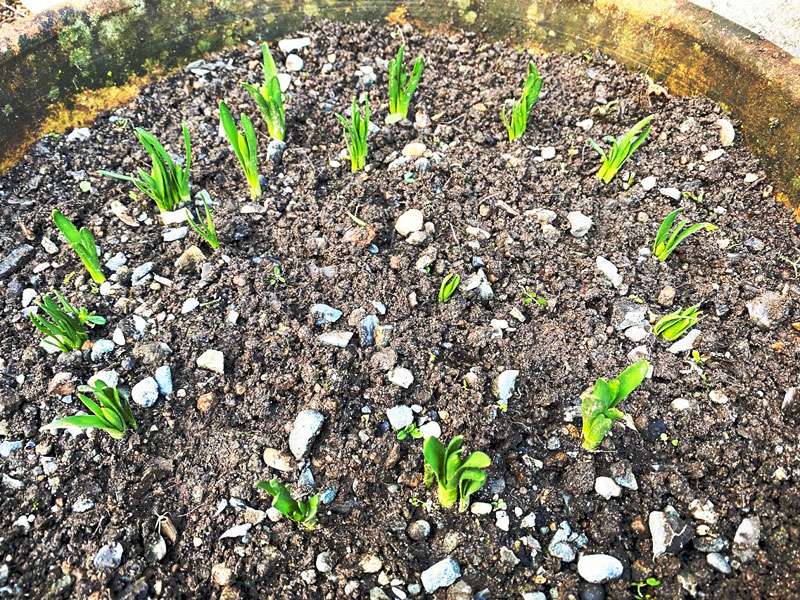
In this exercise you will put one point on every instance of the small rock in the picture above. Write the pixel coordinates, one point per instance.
(325, 561)
(275, 150)
(307, 425)
(337, 339)
(719, 562)
(713, 154)
(666, 296)
(480, 508)
(622, 472)
(108, 557)
(190, 255)
(275, 459)
(586, 124)
(501, 520)
(746, 540)
(221, 574)
(607, 488)
(189, 305)
(599, 568)
(718, 397)
(608, 269)
(236, 531)
(212, 360)
(294, 63)
(504, 384)
(82, 505)
(174, 234)
(366, 330)
(164, 380)
(750, 178)
(7, 448)
(15, 259)
(419, 530)
(79, 134)
(703, 511)
(726, 132)
(400, 416)
(410, 221)
(430, 429)
(440, 575)
(145, 393)
(479, 282)
(648, 183)
(686, 343)
(370, 563)
(548, 152)
(579, 223)
(401, 376)
(668, 531)
(768, 310)
(322, 314)
(293, 44)
(174, 217)
(460, 590)
(671, 192)
(140, 273)
(414, 149)
(12, 484)
(100, 348)
(507, 557)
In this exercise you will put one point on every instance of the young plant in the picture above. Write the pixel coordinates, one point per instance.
(84, 245)
(529, 296)
(598, 409)
(205, 228)
(168, 182)
(676, 324)
(65, 329)
(304, 513)
(665, 243)
(112, 413)
(457, 479)
(520, 110)
(621, 149)
(244, 145)
(270, 98)
(355, 135)
(409, 430)
(401, 89)
(449, 285)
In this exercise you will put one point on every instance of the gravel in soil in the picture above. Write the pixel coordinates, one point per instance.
(702, 475)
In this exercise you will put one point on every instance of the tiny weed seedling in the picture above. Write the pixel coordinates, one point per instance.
(111, 412)
(795, 264)
(621, 149)
(668, 239)
(409, 430)
(457, 480)
(598, 409)
(270, 98)
(650, 582)
(520, 110)
(65, 328)
(84, 245)
(355, 135)
(244, 145)
(168, 183)
(401, 88)
(449, 285)
(529, 296)
(276, 276)
(675, 324)
(301, 512)
(205, 228)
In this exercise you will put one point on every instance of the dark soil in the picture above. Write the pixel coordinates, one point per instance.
(193, 451)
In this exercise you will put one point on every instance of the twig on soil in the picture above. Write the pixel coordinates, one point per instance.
(455, 237)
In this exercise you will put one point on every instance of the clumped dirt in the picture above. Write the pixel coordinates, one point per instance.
(204, 443)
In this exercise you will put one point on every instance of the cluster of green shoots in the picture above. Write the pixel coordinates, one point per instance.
(401, 88)
(518, 123)
(456, 479)
(65, 329)
(301, 512)
(84, 245)
(110, 412)
(621, 149)
(410, 430)
(205, 227)
(449, 285)
(244, 145)
(667, 238)
(355, 135)
(270, 98)
(168, 182)
(529, 297)
(598, 409)
(675, 324)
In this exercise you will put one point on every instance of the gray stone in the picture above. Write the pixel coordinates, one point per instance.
(145, 393)
(607, 268)
(293, 44)
(174, 234)
(399, 416)
(366, 330)
(307, 425)
(82, 505)
(419, 530)
(504, 384)
(607, 488)
(768, 310)
(599, 568)
(11, 483)
(275, 150)
(140, 273)
(100, 348)
(108, 557)
(151, 353)
(16, 259)
(294, 63)
(671, 192)
(401, 376)
(325, 561)
(79, 134)
(164, 379)
(212, 360)
(442, 574)
(116, 262)
(719, 562)
(648, 183)
(507, 557)
(479, 283)
(534, 596)
(7, 448)
(322, 314)
(337, 339)
(579, 223)
(746, 540)
(669, 532)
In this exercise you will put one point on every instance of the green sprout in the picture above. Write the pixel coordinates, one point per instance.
(409, 430)
(675, 324)
(84, 245)
(456, 480)
(301, 512)
(400, 87)
(621, 149)
(529, 296)
(112, 413)
(276, 276)
(244, 145)
(665, 244)
(520, 110)
(598, 408)
(649, 582)
(355, 135)
(795, 264)
(270, 98)
(168, 183)
(65, 329)
(449, 285)
(205, 228)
